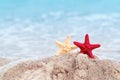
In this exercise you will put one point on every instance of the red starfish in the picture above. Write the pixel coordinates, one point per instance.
(86, 47)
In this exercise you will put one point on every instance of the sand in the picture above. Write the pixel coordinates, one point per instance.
(4, 61)
(65, 67)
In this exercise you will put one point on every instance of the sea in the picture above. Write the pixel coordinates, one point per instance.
(29, 28)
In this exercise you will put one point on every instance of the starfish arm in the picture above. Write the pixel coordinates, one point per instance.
(58, 53)
(73, 47)
(78, 44)
(59, 44)
(67, 40)
(93, 46)
(87, 39)
(90, 54)
(82, 52)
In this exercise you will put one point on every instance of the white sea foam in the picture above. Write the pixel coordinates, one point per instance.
(27, 38)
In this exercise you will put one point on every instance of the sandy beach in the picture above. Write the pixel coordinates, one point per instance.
(36, 35)
(73, 66)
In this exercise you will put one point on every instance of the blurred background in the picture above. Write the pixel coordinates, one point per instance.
(28, 28)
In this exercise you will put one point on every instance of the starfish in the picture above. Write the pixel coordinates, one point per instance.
(65, 47)
(86, 47)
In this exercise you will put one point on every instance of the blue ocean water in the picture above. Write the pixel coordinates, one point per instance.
(28, 28)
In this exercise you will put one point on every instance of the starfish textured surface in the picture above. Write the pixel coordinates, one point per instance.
(65, 47)
(86, 47)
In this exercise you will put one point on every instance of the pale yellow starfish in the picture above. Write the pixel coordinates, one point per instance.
(65, 47)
